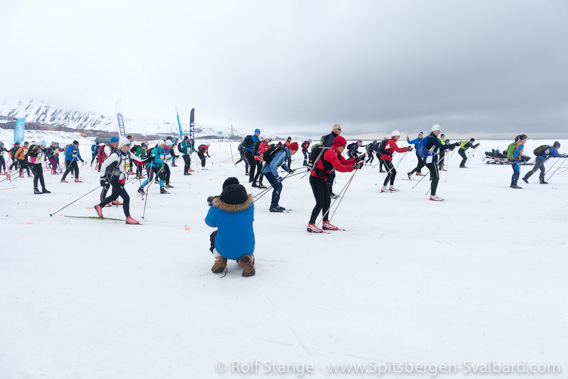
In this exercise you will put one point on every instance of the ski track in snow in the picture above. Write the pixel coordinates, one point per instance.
(481, 276)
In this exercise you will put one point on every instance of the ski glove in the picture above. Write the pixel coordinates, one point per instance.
(279, 179)
(409, 148)
(358, 166)
(290, 171)
(361, 158)
(103, 182)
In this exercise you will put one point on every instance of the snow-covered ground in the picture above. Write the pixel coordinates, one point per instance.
(478, 278)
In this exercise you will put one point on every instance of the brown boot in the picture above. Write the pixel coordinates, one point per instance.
(247, 263)
(220, 265)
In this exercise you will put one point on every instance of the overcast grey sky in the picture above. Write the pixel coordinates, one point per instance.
(474, 67)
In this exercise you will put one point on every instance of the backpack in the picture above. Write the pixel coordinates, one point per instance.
(381, 150)
(314, 154)
(134, 149)
(541, 150)
(421, 149)
(148, 153)
(511, 150)
(271, 153)
(247, 142)
(100, 155)
(256, 145)
(179, 146)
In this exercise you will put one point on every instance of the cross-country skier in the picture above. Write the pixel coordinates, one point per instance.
(36, 155)
(140, 152)
(260, 148)
(72, 155)
(21, 157)
(390, 148)
(463, 147)
(94, 149)
(305, 147)
(515, 161)
(418, 168)
(433, 146)
(185, 149)
(157, 162)
(3, 152)
(327, 141)
(353, 149)
(52, 154)
(242, 152)
(270, 170)
(543, 153)
(202, 151)
(105, 152)
(117, 166)
(331, 159)
(442, 153)
(13, 152)
(232, 213)
(370, 149)
(248, 143)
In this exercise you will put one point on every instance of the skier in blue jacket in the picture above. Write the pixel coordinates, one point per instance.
(232, 213)
(72, 154)
(550, 152)
(270, 171)
(421, 163)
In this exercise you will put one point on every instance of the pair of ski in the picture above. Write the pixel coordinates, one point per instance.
(99, 218)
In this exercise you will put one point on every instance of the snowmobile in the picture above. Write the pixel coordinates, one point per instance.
(496, 157)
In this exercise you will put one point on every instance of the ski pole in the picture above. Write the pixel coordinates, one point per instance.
(470, 156)
(448, 165)
(340, 195)
(51, 214)
(148, 189)
(551, 167)
(259, 195)
(554, 172)
(422, 178)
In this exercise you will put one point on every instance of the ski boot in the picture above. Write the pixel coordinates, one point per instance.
(45, 191)
(392, 189)
(163, 191)
(77, 180)
(116, 202)
(141, 191)
(327, 226)
(436, 198)
(131, 221)
(312, 228)
(526, 180)
(64, 181)
(384, 189)
(515, 186)
(37, 192)
(99, 210)
(409, 175)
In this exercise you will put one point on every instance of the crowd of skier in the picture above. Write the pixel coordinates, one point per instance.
(232, 212)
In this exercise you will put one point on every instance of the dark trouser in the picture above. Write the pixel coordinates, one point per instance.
(516, 171)
(370, 158)
(202, 157)
(418, 168)
(212, 240)
(259, 175)
(252, 164)
(243, 158)
(2, 163)
(24, 164)
(330, 180)
(93, 158)
(71, 166)
(138, 170)
(538, 164)
(118, 190)
(435, 176)
(38, 175)
(391, 173)
(462, 154)
(276, 189)
(323, 200)
(53, 163)
(14, 164)
(187, 163)
(305, 157)
(441, 163)
(382, 165)
(167, 173)
(104, 191)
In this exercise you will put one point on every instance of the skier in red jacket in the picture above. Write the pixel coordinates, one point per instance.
(331, 159)
(387, 158)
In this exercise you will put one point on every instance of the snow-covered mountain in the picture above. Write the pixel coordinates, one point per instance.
(40, 112)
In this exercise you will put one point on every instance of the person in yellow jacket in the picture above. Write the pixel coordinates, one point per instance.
(463, 147)
(21, 157)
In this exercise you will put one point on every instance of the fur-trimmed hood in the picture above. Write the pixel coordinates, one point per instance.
(233, 208)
